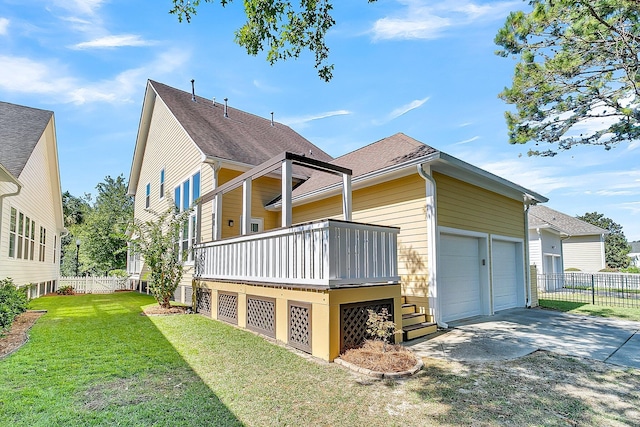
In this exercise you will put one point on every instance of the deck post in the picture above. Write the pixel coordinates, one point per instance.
(217, 217)
(346, 197)
(286, 193)
(246, 206)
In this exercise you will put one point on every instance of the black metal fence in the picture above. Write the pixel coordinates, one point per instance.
(612, 289)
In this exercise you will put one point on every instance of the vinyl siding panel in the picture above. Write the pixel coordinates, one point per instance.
(37, 201)
(535, 253)
(169, 147)
(397, 203)
(584, 252)
(464, 206)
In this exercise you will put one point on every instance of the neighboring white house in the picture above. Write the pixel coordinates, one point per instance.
(635, 254)
(558, 242)
(31, 217)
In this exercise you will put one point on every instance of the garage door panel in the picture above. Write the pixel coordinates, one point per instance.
(459, 277)
(505, 275)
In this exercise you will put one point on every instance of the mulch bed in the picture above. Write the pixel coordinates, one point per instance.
(17, 335)
(156, 310)
(371, 356)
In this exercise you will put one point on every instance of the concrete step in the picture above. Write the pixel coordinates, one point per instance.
(408, 308)
(413, 318)
(403, 299)
(419, 330)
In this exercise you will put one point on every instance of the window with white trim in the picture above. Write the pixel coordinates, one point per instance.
(55, 247)
(43, 243)
(147, 199)
(162, 184)
(29, 238)
(12, 232)
(184, 196)
(20, 235)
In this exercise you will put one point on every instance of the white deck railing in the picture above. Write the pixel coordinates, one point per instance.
(326, 254)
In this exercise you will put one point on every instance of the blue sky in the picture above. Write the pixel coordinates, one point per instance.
(423, 67)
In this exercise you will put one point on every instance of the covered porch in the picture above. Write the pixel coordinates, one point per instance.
(308, 285)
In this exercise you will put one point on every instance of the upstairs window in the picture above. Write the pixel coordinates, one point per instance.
(162, 184)
(55, 247)
(147, 200)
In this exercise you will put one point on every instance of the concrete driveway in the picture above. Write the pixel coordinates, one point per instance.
(517, 332)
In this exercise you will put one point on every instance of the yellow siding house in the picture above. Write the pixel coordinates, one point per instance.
(297, 246)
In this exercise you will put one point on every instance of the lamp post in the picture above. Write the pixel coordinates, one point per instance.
(77, 253)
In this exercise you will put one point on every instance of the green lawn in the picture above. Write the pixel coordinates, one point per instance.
(94, 360)
(592, 310)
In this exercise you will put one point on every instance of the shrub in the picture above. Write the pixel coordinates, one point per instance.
(13, 301)
(608, 270)
(65, 290)
(572, 269)
(118, 273)
(379, 327)
(630, 270)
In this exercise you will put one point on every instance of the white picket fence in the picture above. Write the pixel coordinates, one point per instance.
(95, 285)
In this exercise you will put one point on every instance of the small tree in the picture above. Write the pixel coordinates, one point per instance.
(379, 327)
(157, 242)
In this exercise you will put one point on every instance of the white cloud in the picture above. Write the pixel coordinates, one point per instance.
(4, 25)
(424, 19)
(301, 121)
(52, 80)
(401, 111)
(83, 7)
(466, 141)
(114, 41)
(265, 87)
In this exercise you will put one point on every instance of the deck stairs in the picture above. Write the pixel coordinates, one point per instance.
(414, 324)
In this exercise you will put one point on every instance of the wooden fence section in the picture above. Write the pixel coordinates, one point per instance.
(95, 285)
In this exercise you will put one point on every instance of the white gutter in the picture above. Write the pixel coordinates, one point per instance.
(528, 201)
(432, 244)
(11, 180)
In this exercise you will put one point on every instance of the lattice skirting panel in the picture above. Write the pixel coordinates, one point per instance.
(300, 326)
(188, 295)
(261, 315)
(203, 301)
(228, 307)
(353, 321)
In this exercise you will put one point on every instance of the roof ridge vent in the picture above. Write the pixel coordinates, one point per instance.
(226, 112)
(193, 90)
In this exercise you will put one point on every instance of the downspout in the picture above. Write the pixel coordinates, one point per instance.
(432, 240)
(527, 268)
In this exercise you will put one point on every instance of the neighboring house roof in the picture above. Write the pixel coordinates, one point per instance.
(20, 130)
(241, 137)
(396, 155)
(635, 247)
(544, 217)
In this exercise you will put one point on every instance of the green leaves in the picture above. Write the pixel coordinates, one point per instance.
(156, 240)
(282, 28)
(576, 81)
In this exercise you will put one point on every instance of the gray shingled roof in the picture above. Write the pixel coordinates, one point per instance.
(240, 137)
(541, 216)
(20, 130)
(387, 152)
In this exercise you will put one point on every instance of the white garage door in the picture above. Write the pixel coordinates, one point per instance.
(505, 275)
(459, 277)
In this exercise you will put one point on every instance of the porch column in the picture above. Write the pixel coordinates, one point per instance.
(217, 217)
(286, 193)
(346, 197)
(246, 206)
